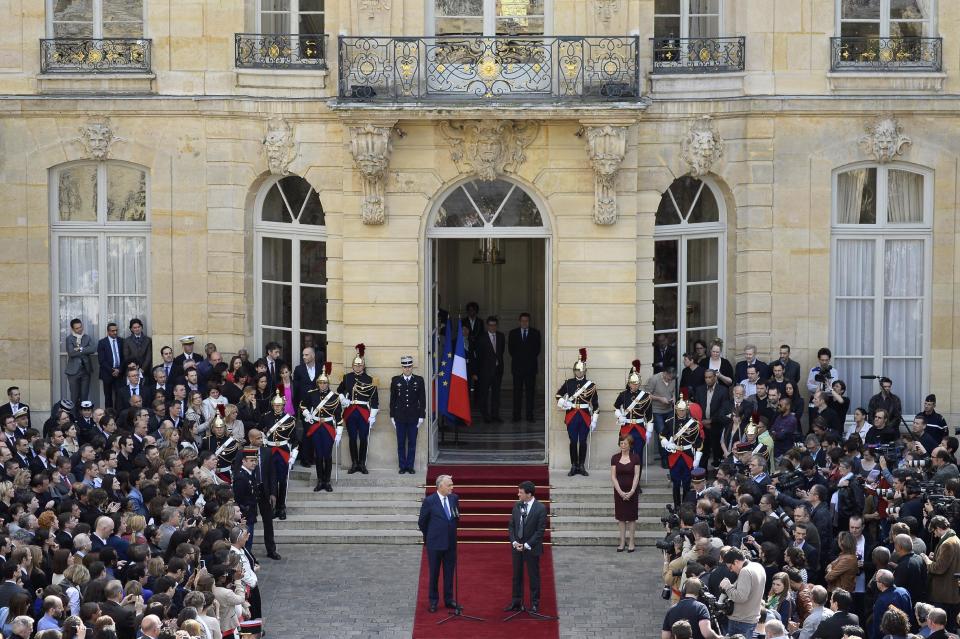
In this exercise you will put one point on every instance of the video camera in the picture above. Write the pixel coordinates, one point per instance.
(720, 609)
(824, 375)
(893, 453)
(790, 481)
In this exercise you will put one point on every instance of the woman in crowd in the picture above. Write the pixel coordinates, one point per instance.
(721, 365)
(625, 476)
(842, 571)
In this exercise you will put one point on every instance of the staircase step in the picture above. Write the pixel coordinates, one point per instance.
(353, 536)
(601, 537)
(327, 521)
(651, 524)
(335, 503)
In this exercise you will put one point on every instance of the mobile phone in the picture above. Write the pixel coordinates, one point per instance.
(203, 564)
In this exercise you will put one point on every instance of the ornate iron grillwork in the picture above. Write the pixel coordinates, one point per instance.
(886, 54)
(698, 55)
(494, 68)
(281, 51)
(95, 55)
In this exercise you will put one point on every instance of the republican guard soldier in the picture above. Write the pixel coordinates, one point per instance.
(278, 428)
(631, 408)
(683, 440)
(578, 397)
(408, 409)
(361, 402)
(322, 413)
(224, 446)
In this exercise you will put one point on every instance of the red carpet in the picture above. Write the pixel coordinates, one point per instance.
(487, 495)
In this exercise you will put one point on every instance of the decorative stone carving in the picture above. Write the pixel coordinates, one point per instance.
(279, 145)
(702, 146)
(371, 7)
(884, 139)
(370, 146)
(489, 147)
(606, 9)
(96, 137)
(606, 146)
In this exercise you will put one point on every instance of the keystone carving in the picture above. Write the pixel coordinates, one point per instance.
(96, 137)
(884, 139)
(279, 145)
(606, 146)
(702, 147)
(489, 147)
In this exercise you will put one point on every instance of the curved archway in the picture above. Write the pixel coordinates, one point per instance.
(472, 207)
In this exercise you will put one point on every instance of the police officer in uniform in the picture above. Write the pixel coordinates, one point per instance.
(578, 397)
(631, 409)
(408, 409)
(361, 402)
(322, 414)
(682, 439)
(278, 430)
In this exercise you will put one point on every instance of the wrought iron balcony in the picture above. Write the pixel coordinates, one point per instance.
(886, 54)
(281, 51)
(698, 55)
(95, 55)
(556, 68)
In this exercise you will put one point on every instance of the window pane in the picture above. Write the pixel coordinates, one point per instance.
(276, 305)
(77, 193)
(903, 268)
(665, 262)
(519, 16)
(317, 340)
(274, 208)
(519, 8)
(122, 29)
(858, 390)
(700, 7)
(122, 308)
(123, 18)
(312, 212)
(78, 266)
(705, 209)
(857, 197)
(666, 27)
(276, 259)
(313, 308)
(854, 268)
(860, 29)
(704, 27)
(313, 262)
(311, 5)
(126, 194)
(86, 308)
(910, 9)
(702, 305)
(275, 23)
(855, 327)
(311, 23)
(274, 5)
(284, 338)
(705, 334)
(904, 197)
(459, 26)
(666, 7)
(457, 211)
(458, 8)
(520, 26)
(685, 190)
(667, 212)
(664, 308)
(860, 9)
(903, 327)
(126, 265)
(907, 376)
(703, 259)
(488, 196)
(73, 10)
(519, 210)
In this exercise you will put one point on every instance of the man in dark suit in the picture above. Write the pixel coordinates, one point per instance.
(9, 586)
(274, 363)
(664, 353)
(13, 404)
(523, 343)
(176, 369)
(110, 357)
(255, 490)
(305, 380)
(715, 403)
(750, 359)
(832, 627)
(490, 348)
(78, 347)
(528, 523)
(439, 514)
(132, 386)
(408, 409)
(138, 348)
(123, 610)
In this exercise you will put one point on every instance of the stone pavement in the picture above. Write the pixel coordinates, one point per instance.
(334, 591)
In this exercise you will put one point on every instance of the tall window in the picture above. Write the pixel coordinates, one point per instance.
(100, 248)
(885, 18)
(881, 279)
(688, 18)
(487, 17)
(688, 265)
(290, 17)
(95, 18)
(291, 263)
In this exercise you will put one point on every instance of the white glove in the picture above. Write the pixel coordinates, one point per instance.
(307, 415)
(649, 434)
(621, 418)
(373, 417)
(696, 458)
(336, 441)
(668, 445)
(567, 404)
(344, 401)
(560, 402)
(293, 457)
(419, 423)
(593, 422)
(393, 421)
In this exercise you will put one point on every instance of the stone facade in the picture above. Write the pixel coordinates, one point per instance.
(208, 142)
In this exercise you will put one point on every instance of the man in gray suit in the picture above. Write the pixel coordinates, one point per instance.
(138, 347)
(79, 347)
(528, 523)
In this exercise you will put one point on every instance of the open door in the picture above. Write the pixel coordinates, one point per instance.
(433, 348)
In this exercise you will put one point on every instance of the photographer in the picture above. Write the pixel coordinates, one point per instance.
(886, 401)
(746, 593)
(943, 467)
(691, 610)
(942, 565)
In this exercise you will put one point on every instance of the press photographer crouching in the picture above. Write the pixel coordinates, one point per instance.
(692, 610)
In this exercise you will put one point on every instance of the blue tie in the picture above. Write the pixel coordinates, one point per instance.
(116, 356)
(446, 507)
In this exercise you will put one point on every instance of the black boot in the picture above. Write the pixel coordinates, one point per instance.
(327, 470)
(582, 458)
(319, 485)
(354, 467)
(574, 465)
(363, 457)
(281, 509)
(354, 457)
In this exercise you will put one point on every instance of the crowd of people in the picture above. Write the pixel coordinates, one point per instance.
(796, 518)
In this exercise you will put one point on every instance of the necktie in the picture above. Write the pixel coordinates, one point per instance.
(493, 341)
(167, 370)
(271, 368)
(524, 334)
(133, 391)
(116, 356)
(446, 507)
(523, 515)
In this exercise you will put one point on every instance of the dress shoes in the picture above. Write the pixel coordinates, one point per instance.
(511, 606)
(363, 469)
(274, 555)
(318, 487)
(402, 471)
(452, 605)
(583, 471)
(573, 471)
(433, 606)
(282, 515)
(328, 488)
(353, 469)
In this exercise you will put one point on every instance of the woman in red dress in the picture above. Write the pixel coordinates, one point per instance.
(625, 476)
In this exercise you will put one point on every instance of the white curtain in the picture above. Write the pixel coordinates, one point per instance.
(78, 283)
(905, 197)
(850, 186)
(854, 291)
(126, 278)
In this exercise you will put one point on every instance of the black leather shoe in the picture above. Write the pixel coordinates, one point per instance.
(583, 471)
(363, 469)
(282, 515)
(402, 471)
(573, 471)
(433, 607)
(274, 555)
(535, 608)
(453, 605)
(512, 606)
(318, 487)
(328, 488)
(352, 470)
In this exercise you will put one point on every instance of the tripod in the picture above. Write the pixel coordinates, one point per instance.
(457, 613)
(533, 615)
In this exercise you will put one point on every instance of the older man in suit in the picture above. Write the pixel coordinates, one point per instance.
(523, 343)
(439, 514)
(138, 348)
(489, 348)
(528, 523)
(79, 347)
(715, 402)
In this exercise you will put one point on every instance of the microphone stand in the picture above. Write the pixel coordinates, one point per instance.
(457, 613)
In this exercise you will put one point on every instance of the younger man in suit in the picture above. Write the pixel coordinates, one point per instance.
(528, 522)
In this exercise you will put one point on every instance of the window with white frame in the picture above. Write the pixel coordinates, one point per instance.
(882, 233)
(99, 218)
(488, 17)
(885, 18)
(689, 241)
(95, 18)
(291, 266)
(290, 17)
(688, 18)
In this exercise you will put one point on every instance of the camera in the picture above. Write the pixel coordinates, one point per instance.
(790, 481)
(785, 519)
(886, 493)
(666, 592)
(671, 520)
(719, 607)
(893, 453)
(918, 463)
(824, 375)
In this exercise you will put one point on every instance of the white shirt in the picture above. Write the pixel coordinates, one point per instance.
(523, 518)
(444, 503)
(115, 351)
(311, 371)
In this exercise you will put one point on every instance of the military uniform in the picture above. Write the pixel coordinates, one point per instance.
(323, 416)
(578, 397)
(631, 408)
(408, 409)
(278, 431)
(361, 403)
(682, 439)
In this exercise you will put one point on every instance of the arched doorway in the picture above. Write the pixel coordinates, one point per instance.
(488, 242)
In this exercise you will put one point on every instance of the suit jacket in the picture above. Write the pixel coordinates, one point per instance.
(719, 404)
(7, 409)
(267, 478)
(139, 351)
(244, 493)
(9, 589)
(124, 395)
(523, 353)
(740, 372)
(439, 533)
(534, 527)
(832, 628)
(124, 618)
(176, 371)
(791, 370)
(79, 362)
(105, 358)
(303, 383)
(477, 329)
(490, 363)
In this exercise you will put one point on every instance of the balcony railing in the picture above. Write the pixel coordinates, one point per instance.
(269, 51)
(95, 55)
(886, 54)
(386, 69)
(698, 55)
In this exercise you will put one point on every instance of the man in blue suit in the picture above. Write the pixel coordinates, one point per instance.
(110, 358)
(438, 523)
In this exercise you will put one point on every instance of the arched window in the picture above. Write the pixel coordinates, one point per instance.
(100, 228)
(882, 232)
(291, 267)
(688, 264)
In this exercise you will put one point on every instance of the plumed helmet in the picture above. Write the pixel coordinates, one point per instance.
(325, 375)
(358, 358)
(580, 366)
(633, 377)
(682, 404)
(278, 399)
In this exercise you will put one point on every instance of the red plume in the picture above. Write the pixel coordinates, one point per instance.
(755, 416)
(280, 388)
(328, 368)
(583, 354)
(636, 365)
(222, 409)
(360, 349)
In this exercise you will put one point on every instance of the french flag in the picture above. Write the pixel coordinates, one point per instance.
(458, 403)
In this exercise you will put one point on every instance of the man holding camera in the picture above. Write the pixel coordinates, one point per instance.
(942, 566)
(746, 593)
(889, 402)
(691, 610)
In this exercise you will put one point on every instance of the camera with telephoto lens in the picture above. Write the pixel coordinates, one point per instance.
(893, 453)
(785, 519)
(669, 542)
(671, 520)
(789, 481)
(824, 375)
(886, 493)
(719, 607)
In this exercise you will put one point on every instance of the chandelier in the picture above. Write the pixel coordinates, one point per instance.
(489, 252)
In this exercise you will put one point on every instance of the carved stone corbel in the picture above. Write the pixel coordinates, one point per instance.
(371, 8)
(884, 140)
(702, 147)
(606, 9)
(488, 148)
(370, 146)
(606, 146)
(96, 137)
(279, 146)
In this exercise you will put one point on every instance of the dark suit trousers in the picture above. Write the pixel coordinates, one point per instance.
(490, 394)
(523, 385)
(79, 387)
(714, 437)
(532, 563)
(266, 518)
(110, 388)
(447, 559)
